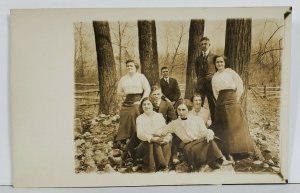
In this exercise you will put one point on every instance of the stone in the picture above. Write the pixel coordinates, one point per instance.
(107, 122)
(78, 126)
(275, 169)
(258, 162)
(116, 152)
(109, 169)
(266, 165)
(102, 115)
(87, 135)
(96, 140)
(115, 118)
(99, 157)
(79, 142)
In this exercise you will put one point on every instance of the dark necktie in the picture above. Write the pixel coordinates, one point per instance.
(156, 107)
(204, 60)
(166, 81)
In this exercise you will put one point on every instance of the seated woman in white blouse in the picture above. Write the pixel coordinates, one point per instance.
(154, 148)
(230, 123)
(198, 145)
(134, 86)
(199, 110)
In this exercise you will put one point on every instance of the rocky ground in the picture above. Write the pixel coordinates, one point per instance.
(96, 152)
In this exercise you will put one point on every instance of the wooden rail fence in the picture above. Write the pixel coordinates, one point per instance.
(87, 94)
(266, 92)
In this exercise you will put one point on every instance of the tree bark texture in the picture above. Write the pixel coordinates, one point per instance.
(106, 67)
(194, 50)
(238, 50)
(148, 51)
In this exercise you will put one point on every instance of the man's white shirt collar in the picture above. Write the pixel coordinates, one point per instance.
(206, 53)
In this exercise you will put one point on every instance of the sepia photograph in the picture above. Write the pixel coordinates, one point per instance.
(178, 96)
(151, 96)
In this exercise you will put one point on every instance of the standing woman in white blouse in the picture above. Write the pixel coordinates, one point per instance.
(230, 123)
(154, 148)
(134, 86)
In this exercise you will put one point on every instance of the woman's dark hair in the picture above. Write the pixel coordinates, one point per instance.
(196, 95)
(137, 66)
(181, 101)
(219, 56)
(141, 105)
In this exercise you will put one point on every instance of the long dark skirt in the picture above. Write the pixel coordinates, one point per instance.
(128, 114)
(155, 156)
(230, 124)
(199, 152)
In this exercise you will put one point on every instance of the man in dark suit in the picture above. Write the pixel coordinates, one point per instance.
(169, 86)
(162, 106)
(205, 69)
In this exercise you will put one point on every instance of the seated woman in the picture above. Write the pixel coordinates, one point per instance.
(155, 149)
(198, 144)
(199, 110)
(133, 87)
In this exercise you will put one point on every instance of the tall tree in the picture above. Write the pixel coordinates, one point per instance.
(238, 49)
(194, 50)
(106, 67)
(148, 50)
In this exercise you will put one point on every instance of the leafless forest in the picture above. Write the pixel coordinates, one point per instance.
(102, 47)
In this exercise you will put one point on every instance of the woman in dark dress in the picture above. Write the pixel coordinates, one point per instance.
(230, 123)
(134, 86)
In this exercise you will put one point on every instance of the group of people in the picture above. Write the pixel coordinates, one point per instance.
(155, 123)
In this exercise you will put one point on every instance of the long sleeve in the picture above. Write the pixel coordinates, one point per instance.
(148, 126)
(120, 90)
(142, 134)
(146, 86)
(169, 128)
(214, 87)
(202, 130)
(239, 84)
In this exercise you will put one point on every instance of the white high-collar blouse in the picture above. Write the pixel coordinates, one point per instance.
(228, 79)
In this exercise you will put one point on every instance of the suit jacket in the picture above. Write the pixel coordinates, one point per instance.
(170, 90)
(205, 69)
(167, 110)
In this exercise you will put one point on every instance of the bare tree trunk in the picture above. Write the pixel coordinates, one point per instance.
(78, 29)
(106, 67)
(148, 50)
(194, 50)
(120, 49)
(238, 50)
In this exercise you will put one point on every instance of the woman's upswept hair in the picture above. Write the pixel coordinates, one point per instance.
(220, 56)
(137, 66)
(186, 102)
(141, 105)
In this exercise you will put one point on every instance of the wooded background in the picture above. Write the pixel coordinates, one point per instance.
(253, 47)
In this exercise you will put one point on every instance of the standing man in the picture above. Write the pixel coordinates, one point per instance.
(205, 69)
(169, 86)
